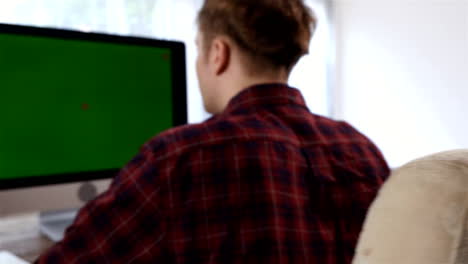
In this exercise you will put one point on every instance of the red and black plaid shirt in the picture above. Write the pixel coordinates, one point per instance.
(266, 181)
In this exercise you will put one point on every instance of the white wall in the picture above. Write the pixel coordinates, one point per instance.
(402, 75)
(311, 74)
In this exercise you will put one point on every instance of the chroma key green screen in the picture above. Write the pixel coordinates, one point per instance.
(70, 106)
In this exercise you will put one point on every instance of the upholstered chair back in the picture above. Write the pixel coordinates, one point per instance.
(420, 215)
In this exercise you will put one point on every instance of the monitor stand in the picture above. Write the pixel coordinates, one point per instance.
(53, 224)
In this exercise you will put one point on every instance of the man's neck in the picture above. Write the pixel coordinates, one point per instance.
(234, 88)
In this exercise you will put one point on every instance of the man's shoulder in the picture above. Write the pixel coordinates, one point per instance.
(231, 130)
(339, 130)
(181, 139)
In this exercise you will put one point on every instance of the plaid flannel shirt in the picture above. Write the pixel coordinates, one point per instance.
(266, 181)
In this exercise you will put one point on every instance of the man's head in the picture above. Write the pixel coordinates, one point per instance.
(244, 42)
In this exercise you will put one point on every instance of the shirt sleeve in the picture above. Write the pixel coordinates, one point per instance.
(122, 225)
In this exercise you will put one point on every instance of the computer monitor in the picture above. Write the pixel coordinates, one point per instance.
(76, 107)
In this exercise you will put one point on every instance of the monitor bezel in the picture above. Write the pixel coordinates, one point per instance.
(179, 92)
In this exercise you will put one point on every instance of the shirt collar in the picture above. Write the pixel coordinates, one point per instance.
(264, 95)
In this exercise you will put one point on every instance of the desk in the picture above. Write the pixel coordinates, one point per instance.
(20, 235)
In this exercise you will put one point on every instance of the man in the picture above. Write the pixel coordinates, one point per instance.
(263, 181)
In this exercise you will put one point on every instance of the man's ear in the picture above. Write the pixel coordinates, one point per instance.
(220, 55)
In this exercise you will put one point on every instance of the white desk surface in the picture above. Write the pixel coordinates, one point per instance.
(20, 236)
(8, 258)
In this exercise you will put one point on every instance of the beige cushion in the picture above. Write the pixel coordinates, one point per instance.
(420, 215)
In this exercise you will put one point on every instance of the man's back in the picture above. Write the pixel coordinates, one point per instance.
(269, 181)
(265, 181)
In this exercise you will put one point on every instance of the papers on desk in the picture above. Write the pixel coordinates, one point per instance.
(8, 258)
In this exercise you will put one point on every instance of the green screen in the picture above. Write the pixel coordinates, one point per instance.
(70, 106)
